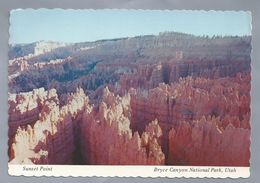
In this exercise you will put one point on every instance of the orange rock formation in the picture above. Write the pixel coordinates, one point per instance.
(173, 99)
(190, 122)
(108, 130)
(51, 139)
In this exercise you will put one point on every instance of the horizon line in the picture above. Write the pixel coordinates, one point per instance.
(108, 39)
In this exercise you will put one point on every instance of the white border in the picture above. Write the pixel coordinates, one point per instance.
(129, 171)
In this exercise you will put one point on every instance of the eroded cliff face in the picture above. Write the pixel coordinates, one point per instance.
(92, 64)
(51, 139)
(190, 122)
(149, 76)
(24, 108)
(171, 99)
(225, 100)
(203, 142)
(192, 98)
(108, 130)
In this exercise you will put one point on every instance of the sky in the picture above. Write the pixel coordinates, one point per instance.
(27, 26)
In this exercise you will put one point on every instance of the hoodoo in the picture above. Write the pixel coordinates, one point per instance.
(146, 100)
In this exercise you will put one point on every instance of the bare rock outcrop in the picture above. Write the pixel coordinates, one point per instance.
(171, 98)
(170, 120)
(202, 143)
(226, 99)
(51, 139)
(110, 141)
(149, 76)
(192, 98)
(24, 108)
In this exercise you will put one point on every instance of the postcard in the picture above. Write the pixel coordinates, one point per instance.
(129, 93)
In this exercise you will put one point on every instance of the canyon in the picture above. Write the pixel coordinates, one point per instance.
(170, 99)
